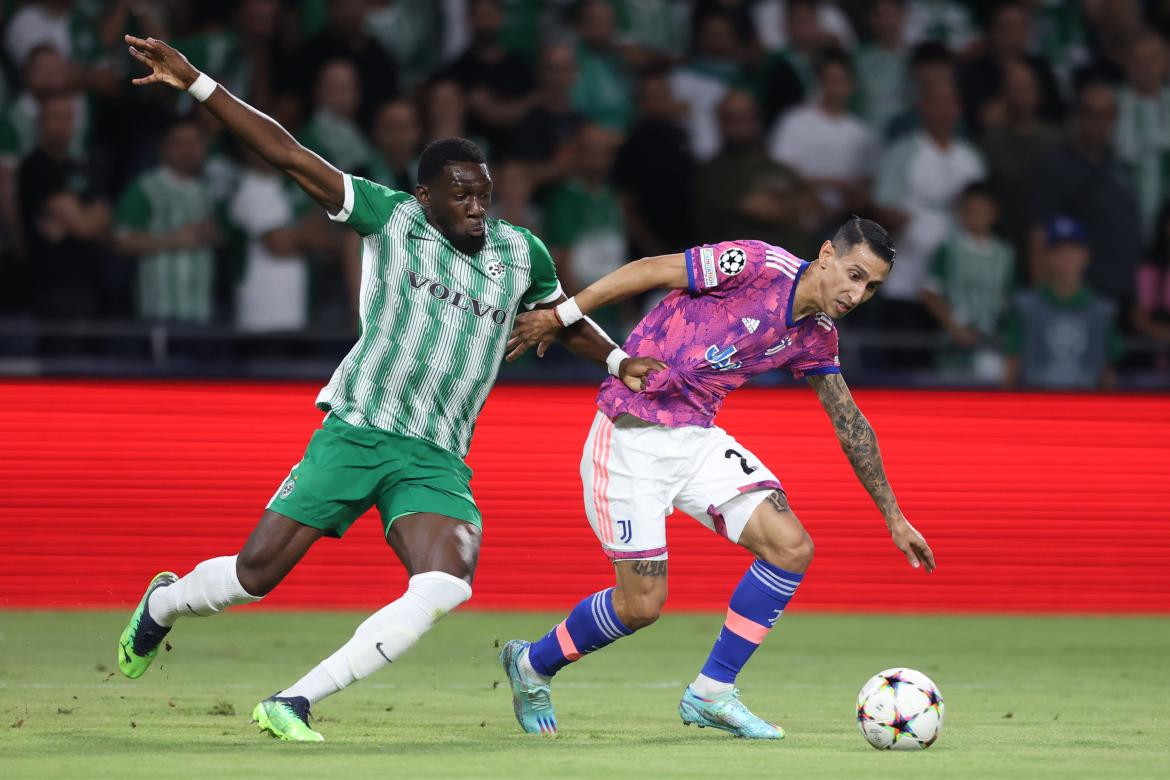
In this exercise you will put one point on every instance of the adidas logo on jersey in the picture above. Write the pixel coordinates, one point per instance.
(750, 323)
(824, 321)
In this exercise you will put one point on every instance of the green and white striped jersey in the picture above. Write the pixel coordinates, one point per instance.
(178, 284)
(434, 321)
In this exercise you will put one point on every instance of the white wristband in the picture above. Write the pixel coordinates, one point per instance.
(202, 87)
(614, 360)
(569, 312)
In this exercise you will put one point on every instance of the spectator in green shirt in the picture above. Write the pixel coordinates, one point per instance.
(583, 224)
(333, 130)
(166, 221)
(742, 192)
(968, 284)
(1142, 137)
(397, 135)
(604, 89)
(881, 65)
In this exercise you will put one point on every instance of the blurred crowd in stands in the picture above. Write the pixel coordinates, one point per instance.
(1019, 152)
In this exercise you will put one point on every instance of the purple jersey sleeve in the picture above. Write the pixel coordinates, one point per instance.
(818, 351)
(723, 266)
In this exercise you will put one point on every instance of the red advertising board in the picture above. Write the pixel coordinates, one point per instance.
(1032, 502)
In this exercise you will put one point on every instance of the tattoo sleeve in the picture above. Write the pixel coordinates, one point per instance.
(857, 440)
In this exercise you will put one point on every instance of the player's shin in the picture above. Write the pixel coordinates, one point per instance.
(756, 605)
(593, 624)
(384, 636)
(209, 588)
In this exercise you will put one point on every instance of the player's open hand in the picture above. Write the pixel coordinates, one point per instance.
(635, 371)
(538, 327)
(913, 546)
(167, 65)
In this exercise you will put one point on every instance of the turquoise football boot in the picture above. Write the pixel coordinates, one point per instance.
(726, 713)
(531, 699)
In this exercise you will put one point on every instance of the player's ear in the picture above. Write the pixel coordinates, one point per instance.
(423, 194)
(825, 255)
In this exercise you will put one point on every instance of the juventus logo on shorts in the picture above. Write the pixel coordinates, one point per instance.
(625, 530)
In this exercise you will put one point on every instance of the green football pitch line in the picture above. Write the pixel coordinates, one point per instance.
(1025, 697)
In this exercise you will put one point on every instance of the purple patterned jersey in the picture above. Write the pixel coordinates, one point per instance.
(734, 321)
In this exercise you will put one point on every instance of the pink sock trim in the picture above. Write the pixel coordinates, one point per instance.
(741, 626)
(568, 649)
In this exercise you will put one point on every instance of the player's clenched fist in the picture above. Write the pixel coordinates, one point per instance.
(635, 372)
(167, 64)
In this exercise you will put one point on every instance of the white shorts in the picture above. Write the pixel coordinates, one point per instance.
(634, 472)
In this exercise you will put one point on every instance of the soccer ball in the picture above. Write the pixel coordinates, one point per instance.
(900, 709)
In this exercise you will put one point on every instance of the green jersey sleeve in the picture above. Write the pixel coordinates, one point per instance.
(133, 211)
(368, 205)
(10, 146)
(936, 271)
(562, 218)
(544, 287)
(890, 187)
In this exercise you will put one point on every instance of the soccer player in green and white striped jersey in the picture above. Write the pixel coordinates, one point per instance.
(166, 220)
(440, 287)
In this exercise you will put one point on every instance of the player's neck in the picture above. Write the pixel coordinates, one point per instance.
(804, 302)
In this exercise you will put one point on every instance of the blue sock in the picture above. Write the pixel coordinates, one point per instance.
(756, 605)
(591, 625)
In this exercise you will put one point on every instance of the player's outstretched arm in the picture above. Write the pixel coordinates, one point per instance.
(588, 341)
(861, 447)
(541, 326)
(265, 136)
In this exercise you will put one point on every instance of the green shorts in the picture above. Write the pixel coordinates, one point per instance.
(347, 469)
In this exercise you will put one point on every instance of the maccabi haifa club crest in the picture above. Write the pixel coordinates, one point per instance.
(732, 261)
(287, 488)
(495, 269)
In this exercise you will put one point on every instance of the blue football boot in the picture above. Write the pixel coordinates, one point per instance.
(531, 698)
(725, 712)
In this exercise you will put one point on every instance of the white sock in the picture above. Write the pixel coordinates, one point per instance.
(210, 587)
(528, 670)
(385, 635)
(709, 689)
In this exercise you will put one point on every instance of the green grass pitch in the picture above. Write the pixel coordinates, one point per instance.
(1026, 697)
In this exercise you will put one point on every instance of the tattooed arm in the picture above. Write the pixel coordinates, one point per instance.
(860, 445)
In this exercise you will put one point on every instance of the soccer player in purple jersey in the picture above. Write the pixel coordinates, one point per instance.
(737, 309)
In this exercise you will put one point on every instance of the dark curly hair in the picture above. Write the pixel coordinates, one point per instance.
(439, 153)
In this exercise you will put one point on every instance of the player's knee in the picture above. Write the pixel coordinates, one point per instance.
(803, 552)
(791, 555)
(440, 592)
(642, 610)
(256, 578)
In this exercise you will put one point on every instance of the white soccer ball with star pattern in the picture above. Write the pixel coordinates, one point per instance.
(900, 709)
